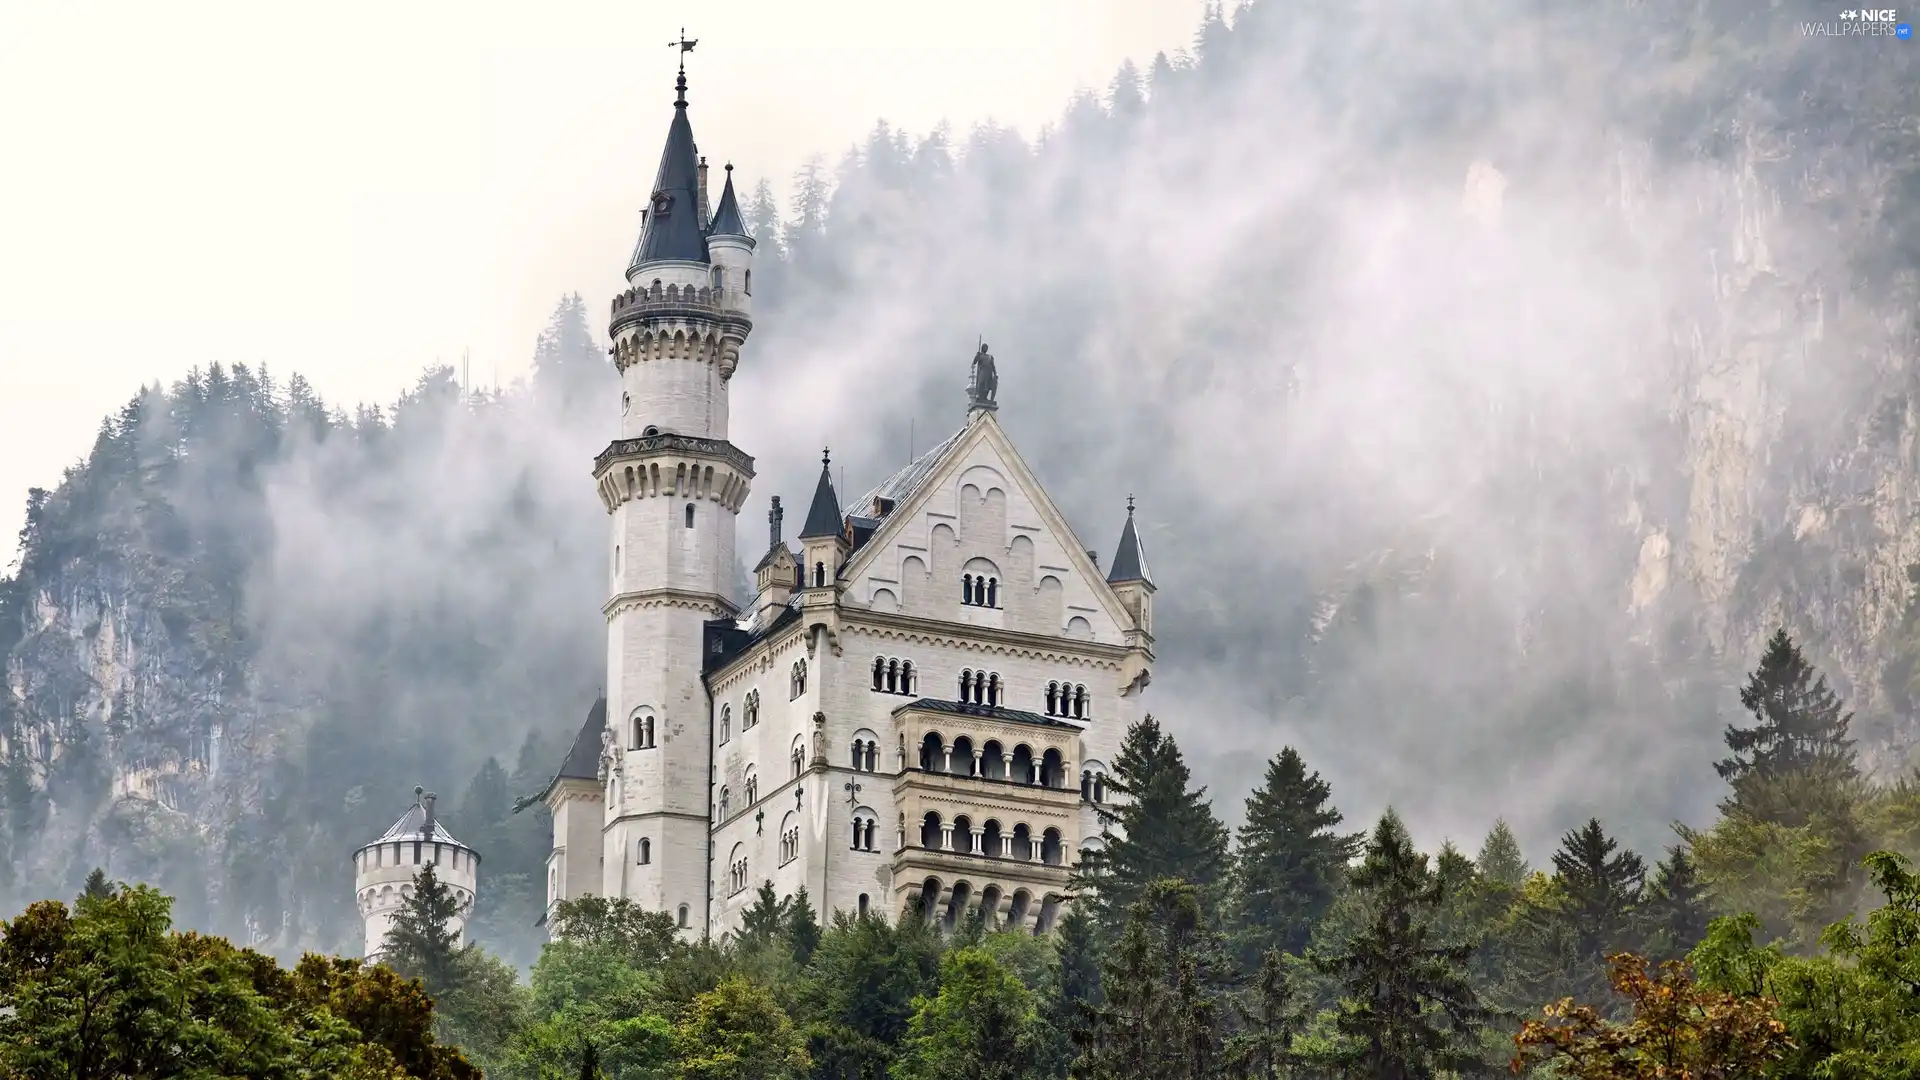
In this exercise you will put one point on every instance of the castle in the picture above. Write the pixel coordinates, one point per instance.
(957, 668)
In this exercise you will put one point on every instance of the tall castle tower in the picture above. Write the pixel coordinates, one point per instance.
(672, 485)
(384, 871)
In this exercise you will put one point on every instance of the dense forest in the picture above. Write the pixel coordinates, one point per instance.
(1495, 383)
(1294, 946)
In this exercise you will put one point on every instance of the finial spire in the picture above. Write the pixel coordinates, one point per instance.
(680, 84)
(826, 456)
(1129, 506)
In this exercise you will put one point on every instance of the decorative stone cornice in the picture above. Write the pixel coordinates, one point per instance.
(676, 466)
(886, 626)
(712, 603)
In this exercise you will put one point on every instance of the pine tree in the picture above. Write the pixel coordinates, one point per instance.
(1562, 946)
(97, 886)
(765, 920)
(569, 368)
(803, 928)
(1160, 1014)
(1500, 861)
(423, 943)
(1677, 907)
(1798, 722)
(1407, 1010)
(1159, 827)
(1288, 860)
(1270, 1018)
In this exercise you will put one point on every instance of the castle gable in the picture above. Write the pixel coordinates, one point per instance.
(966, 534)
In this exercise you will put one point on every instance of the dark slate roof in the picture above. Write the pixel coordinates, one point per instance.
(412, 826)
(726, 219)
(726, 639)
(897, 488)
(772, 554)
(1129, 563)
(823, 517)
(988, 712)
(674, 229)
(583, 757)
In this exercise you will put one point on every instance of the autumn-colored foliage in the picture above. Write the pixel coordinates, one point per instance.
(1679, 1031)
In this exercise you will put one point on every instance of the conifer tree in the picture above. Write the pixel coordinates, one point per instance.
(1407, 1009)
(1288, 860)
(1677, 907)
(1500, 861)
(1159, 827)
(97, 886)
(1160, 1014)
(803, 928)
(422, 943)
(1270, 1018)
(1598, 910)
(1798, 722)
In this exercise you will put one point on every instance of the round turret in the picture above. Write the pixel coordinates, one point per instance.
(384, 870)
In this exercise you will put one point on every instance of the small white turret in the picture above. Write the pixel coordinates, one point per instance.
(384, 871)
(731, 250)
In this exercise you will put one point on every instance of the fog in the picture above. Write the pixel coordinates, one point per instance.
(1447, 356)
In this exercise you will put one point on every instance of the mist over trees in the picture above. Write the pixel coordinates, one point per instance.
(1490, 394)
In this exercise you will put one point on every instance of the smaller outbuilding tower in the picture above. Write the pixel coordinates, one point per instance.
(384, 870)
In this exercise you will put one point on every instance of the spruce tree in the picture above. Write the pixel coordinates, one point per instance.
(1160, 1012)
(1500, 861)
(1676, 907)
(1288, 860)
(97, 887)
(803, 928)
(1798, 725)
(1271, 1018)
(1598, 909)
(1407, 1009)
(1158, 827)
(422, 943)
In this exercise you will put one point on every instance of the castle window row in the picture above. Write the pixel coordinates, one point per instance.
(1067, 699)
(866, 755)
(989, 840)
(991, 761)
(980, 687)
(797, 757)
(979, 590)
(737, 876)
(797, 679)
(789, 845)
(892, 675)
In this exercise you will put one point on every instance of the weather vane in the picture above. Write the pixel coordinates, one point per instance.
(685, 47)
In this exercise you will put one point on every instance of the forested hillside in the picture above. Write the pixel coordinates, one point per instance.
(1494, 381)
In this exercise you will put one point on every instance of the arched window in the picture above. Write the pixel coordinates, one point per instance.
(893, 676)
(993, 689)
(726, 803)
(719, 279)
(879, 671)
(863, 824)
(1079, 702)
(753, 708)
(747, 282)
(966, 685)
(819, 575)
(797, 757)
(1053, 698)
(906, 676)
(966, 589)
(683, 916)
(798, 677)
(726, 723)
(646, 851)
(863, 905)
(689, 515)
(993, 589)
(753, 788)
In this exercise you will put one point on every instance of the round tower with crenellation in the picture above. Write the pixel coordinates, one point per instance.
(385, 870)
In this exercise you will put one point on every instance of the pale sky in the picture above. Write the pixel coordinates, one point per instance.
(356, 190)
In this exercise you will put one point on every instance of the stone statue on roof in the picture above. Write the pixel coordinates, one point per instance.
(985, 382)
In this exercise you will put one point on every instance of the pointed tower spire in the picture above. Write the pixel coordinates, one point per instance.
(674, 230)
(726, 218)
(774, 517)
(823, 517)
(1129, 562)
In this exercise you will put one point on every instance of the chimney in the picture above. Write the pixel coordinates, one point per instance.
(1095, 556)
(426, 829)
(705, 214)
